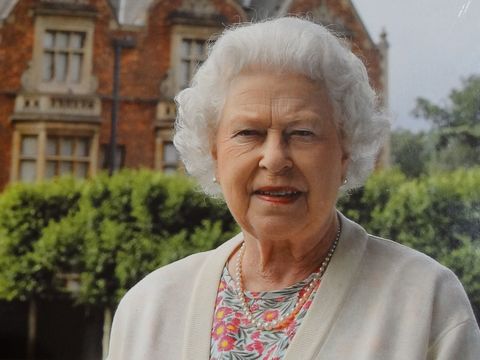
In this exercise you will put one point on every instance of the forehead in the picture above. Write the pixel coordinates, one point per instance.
(274, 85)
(255, 91)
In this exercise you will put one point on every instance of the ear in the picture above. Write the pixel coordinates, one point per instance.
(344, 163)
(213, 152)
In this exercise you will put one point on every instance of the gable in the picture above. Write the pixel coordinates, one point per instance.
(339, 15)
(6, 6)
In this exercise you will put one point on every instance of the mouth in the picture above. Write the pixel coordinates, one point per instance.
(278, 194)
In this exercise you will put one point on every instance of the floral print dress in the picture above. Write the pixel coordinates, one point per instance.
(233, 337)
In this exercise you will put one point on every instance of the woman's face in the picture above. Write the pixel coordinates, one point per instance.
(279, 158)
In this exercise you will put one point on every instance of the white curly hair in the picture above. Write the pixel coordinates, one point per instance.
(284, 44)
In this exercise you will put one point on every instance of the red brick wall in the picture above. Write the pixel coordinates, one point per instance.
(16, 44)
(142, 68)
(6, 107)
(137, 107)
(142, 71)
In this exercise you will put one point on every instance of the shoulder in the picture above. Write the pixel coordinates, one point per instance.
(401, 256)
(407, 264)
(172, 272)
(388, 257)
(414, 287)
(157, 306)
(420, 281)
(171, 284)
(146, 304)
(165, 281)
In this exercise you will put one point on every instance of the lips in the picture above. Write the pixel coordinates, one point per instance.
(278, 194)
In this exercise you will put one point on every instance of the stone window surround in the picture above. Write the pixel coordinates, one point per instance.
(44, 128)
(57, 23)
(179, 32)
(163, 137)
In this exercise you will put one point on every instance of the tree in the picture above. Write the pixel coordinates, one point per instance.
(27, 273)
(456, 126)
(409, 151)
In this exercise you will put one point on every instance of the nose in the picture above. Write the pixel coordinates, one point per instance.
(275, 155)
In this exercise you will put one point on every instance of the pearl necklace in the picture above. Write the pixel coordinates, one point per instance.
(277, 323)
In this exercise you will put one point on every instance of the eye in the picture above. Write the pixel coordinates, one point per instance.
(301, 136)
(247, 133)
(302, 133)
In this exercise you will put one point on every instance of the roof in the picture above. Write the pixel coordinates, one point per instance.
(134, 12)
(6, 7)
(261, 9)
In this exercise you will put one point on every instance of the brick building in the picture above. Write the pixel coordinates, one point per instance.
(56, 75)
(56, 84)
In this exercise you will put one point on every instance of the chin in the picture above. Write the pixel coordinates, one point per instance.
(275, 230)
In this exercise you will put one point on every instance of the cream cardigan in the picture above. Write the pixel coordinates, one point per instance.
(377, 300)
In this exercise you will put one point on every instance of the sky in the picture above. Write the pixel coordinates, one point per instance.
(433, 45)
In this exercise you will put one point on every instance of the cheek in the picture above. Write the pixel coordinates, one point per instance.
(229, 149)
(237, 198)
(235, 174)
(323, 170)
(235, 160)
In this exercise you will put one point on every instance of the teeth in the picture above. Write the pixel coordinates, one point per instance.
(278, 193)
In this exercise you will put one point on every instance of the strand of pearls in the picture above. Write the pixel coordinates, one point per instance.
(277, 323)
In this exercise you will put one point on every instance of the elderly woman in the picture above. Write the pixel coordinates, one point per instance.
(279, 119)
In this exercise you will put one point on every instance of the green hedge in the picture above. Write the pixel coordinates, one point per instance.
(113, 231)
(25, 212)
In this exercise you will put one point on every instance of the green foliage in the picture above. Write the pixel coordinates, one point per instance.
(364, 204)
(26, 212)
(410, 152)
(463, 107)
(110, 230)
(138, 221)
(456, 129)
(115, 230)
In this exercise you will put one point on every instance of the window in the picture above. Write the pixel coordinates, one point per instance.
(28, 158)
(119, 156)
(63, 155)
(63, 54)
(67, 155)
(189, 51)
(46, 150)
(192, 55)
(170, 157)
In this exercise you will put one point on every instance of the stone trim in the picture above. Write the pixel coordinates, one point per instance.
(179, 33)
(32, 80)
